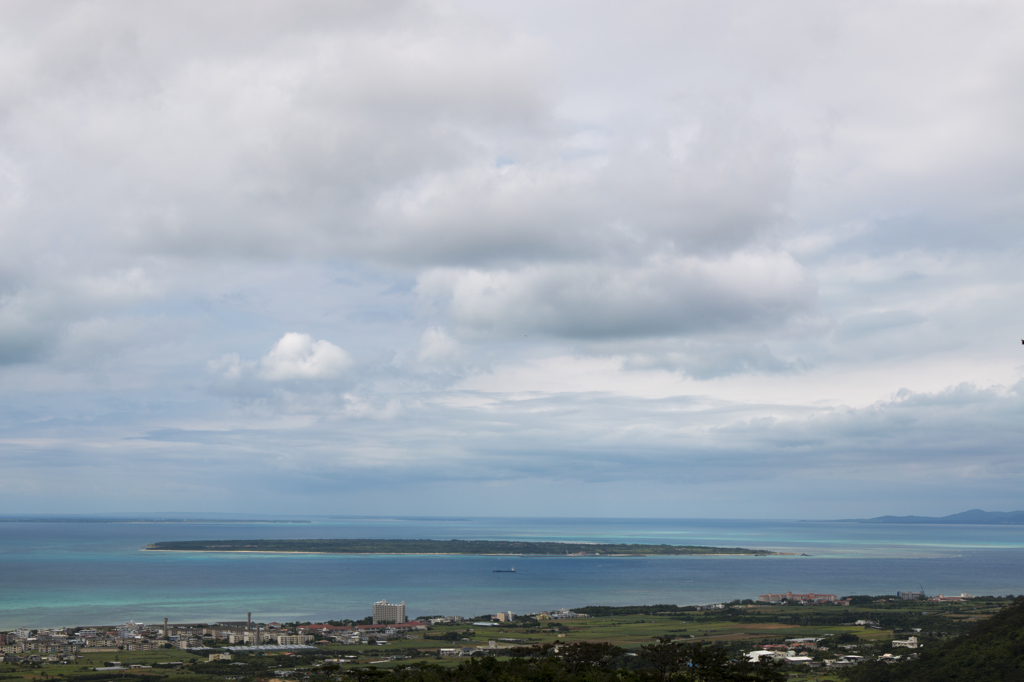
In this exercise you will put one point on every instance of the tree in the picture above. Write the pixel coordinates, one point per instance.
(580, 656)
(667, 657)
(707, 662)
(367, 674)
(535, 651)
(764, 670)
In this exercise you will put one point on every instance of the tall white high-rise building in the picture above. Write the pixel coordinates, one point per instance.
(383, 612)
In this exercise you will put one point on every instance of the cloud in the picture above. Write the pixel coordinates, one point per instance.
(298, 356)
(710, 181)
(230, 366)
(714, 358)
(866, 324)
(482, 136)
(660, 296)
(437, 347)
(40, 315)
(669, 242)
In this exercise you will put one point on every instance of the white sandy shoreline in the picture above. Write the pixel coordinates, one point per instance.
(524, 556)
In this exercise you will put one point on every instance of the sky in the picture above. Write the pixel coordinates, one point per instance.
(512, 258)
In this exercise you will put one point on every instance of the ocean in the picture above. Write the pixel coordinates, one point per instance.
(59, 573)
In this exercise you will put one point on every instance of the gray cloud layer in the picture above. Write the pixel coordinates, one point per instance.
(511, 243)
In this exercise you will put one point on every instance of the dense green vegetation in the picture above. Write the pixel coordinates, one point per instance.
(497, 547)
(993, 651)
(651, 609)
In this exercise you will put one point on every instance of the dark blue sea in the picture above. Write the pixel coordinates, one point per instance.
(96, 573)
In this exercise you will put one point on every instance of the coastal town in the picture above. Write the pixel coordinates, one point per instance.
(389, 637)
(62, 644)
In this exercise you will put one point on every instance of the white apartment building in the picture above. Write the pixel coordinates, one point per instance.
(908, 643)
(383, 612)
(292, 640)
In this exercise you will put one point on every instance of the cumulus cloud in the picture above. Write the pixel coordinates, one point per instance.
(298, 356)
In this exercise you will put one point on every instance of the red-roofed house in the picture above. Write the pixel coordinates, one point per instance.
(323, 628)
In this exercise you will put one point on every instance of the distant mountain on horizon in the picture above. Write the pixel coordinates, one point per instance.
(972, 516)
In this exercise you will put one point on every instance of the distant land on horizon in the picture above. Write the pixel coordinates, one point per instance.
(89, 519)
(970, 517)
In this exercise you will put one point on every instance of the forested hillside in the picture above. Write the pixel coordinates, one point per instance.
(991, 652)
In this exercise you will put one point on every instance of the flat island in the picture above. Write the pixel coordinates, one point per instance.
(477, 547)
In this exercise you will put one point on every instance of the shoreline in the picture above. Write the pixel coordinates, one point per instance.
(522, 556)
(453, 547)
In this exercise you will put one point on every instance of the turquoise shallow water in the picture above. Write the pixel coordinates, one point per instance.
(88, 573)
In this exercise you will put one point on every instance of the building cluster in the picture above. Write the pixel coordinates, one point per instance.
(937, 598)
(389, 622)
(809, 598)
(807, 651)
(64, 644)
(378, 633)
(944, 598)
(563, 614)
(803, 656)
(492, 647)
(910, 596)
(57, 644)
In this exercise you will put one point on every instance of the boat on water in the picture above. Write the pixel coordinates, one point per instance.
(504, 570)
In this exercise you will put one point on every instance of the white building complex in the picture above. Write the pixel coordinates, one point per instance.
(383, 612)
